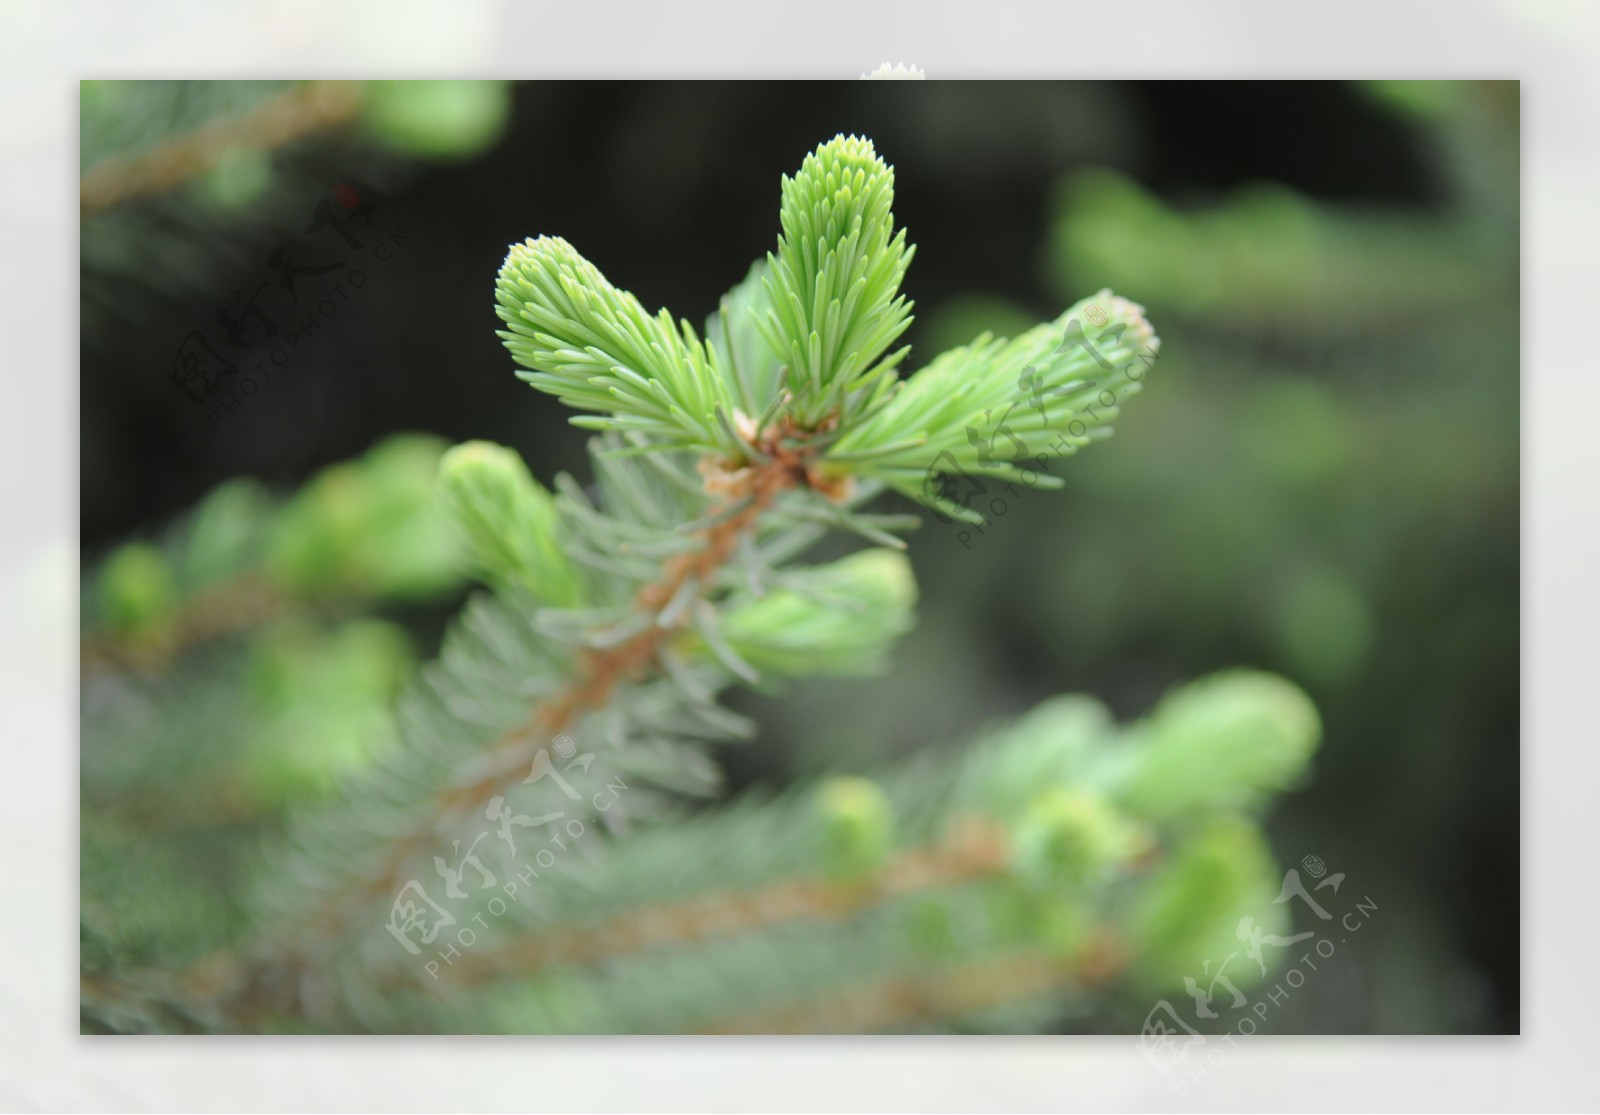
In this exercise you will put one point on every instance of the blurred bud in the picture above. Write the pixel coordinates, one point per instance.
(841, 619)
(322, 705)
(1222, 743)
(857, 826)
(409, 548)
(1059, 743)
(1069, 837)
(510, 521)
(437, 119)
(1427, 102)
(240, 177)
(315, 547)
(1188, 916)
(370, 527)
(137, 591)
(224, 537)
(1325, 626)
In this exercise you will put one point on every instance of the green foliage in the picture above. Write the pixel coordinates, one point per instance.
(1263, 258)
(371, 526)
(371, 529)
(822, 312)
(575, 702)
(842, 618)
(1071, 870)
(1231, 742)
(833, 301)
(595, 348)
(124, 120)
(137, 594)
(856, 825)
(149, 900)
(241, 177)
(1322, 482)
(1326, 625)
(1054, 389)
(120, 119)
(228, 528)
(321, 706)
(1191, 910)
(436, 119)
(1069, 837)
(180, 179)
(510, 522)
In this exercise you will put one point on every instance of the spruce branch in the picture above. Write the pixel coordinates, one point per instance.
(213, 613)
(738, 500)
(285, 116)
(972, 851)
(595, 348)
(1005, 409)
(619, 612)
(146, 139)
(360, 532)
(833, 284)
(1039, 846)
(935, 998)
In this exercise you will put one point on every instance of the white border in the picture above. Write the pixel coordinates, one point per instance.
(46, 48)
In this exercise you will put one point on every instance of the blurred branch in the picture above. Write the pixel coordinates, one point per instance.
(224, 609)
(976, 849)
(909, 1001)
(599, 674)
(317, 106)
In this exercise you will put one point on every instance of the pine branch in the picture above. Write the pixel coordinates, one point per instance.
(915, 1002)
(362, 531)
(215, 613)
(597, 678)
(293, 114)
(1024, 838)
(743, 498)
(145, 139)
(975, 851)
(833, 285)
(619, 614)
(1268, 260)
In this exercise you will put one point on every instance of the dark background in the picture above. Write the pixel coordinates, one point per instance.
(1158, 563)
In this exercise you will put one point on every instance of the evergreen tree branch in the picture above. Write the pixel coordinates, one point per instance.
(361, 531)
(969, 852)
(1021, 841)
(911, 1002)
(216, 612)
(744, 496)
(619, 612)
(296, 112)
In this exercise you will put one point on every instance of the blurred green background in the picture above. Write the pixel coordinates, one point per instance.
(1321, 479)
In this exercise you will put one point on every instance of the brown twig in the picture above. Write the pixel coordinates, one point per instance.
(297, 112)
(909, 1001)
(973, 850)
(221, 610)
(745, 494)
